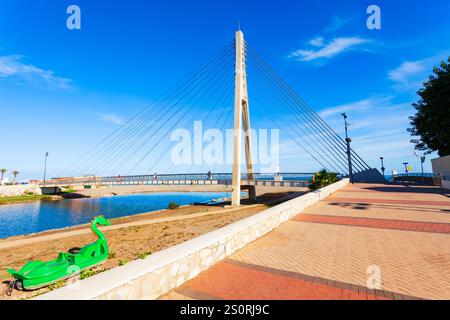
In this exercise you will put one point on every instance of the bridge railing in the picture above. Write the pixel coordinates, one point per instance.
(282, 179)
(418, 178)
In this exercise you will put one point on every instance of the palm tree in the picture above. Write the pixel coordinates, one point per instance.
(3, 171)
(15, 173)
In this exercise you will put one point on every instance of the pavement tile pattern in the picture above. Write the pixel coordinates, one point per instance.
(331, 249)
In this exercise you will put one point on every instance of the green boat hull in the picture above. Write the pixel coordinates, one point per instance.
(38, 274)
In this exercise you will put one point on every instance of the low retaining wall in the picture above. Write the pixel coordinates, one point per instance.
(167, 269)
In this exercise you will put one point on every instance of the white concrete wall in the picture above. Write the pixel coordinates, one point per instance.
(167, 269)
(18, 190)
(441, 166)
(446, 184)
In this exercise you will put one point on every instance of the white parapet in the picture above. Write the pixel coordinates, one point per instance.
(167, 269)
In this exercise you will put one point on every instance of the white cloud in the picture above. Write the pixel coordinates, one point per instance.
(316, 42)
(12, 67)
(112, 118)
(362, 105)
(410, 75)
(406, 70)
(338, 22)
(329, 50)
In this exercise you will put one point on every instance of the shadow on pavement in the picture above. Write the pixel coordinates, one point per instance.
(411, 189)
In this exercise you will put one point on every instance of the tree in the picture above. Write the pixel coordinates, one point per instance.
(3, 171)
(15, 173)
(432, 121)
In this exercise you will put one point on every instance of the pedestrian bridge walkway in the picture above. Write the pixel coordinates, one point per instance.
(336, 247)
(296, 180)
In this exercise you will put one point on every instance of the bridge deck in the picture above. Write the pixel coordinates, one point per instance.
(287, 180)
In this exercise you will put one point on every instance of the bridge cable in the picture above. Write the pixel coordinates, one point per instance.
(290, 136)
(307, 132)
(139, 132)
(159, 116)
(145, 111)
(211, 109)
(202, 87)
(309, 110)
(287, 98)
(310, 130)
(226, 95)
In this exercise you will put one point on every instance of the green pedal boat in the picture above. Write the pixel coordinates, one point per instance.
(38, 274)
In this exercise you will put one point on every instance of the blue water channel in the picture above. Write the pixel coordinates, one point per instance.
(26, 218)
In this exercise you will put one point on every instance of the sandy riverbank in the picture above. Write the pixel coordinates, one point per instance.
(123, 190)
(128, 237)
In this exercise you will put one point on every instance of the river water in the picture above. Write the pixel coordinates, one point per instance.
(26, 218)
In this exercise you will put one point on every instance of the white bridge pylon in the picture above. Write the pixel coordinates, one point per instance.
(241, 116)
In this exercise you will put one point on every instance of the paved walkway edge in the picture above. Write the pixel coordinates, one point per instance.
(167, 269)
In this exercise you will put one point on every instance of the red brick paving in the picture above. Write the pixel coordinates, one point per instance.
(376, 223)
(231, 279)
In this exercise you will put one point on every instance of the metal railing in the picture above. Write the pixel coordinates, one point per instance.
(281, 179)
(426, 179)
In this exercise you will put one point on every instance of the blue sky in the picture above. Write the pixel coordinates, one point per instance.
(62, 91)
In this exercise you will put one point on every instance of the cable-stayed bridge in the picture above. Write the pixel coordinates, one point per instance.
(220, 93)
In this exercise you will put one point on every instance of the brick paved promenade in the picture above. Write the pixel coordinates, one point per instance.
(324, 252)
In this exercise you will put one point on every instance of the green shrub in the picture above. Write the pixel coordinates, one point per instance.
(56, 285)
(173, 206)
(123, 262)
(86, 274)
(89, 273)
(144, 255)
(322, 179)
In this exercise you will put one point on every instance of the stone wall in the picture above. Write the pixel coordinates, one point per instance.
(167, 269)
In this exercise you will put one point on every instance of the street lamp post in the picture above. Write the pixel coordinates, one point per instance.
(406, 166)
(349, 154)
(45, 165)
(422, 161)
(382, 166)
